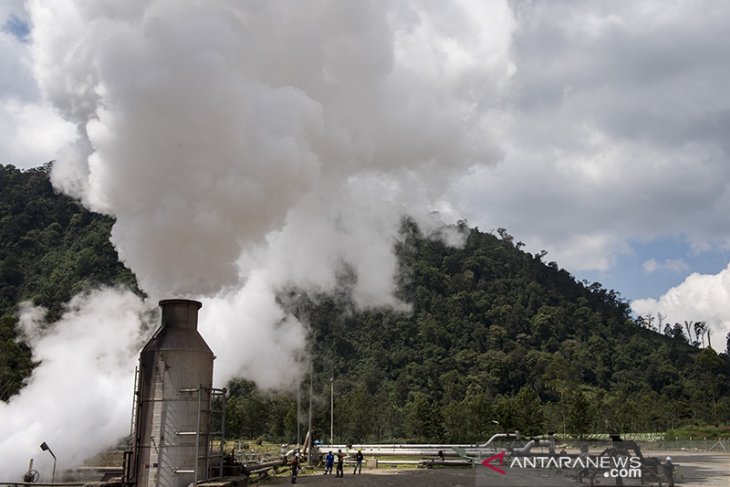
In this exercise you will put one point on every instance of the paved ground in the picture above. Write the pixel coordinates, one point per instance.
(696, 469)
(387, 478)
(439, 477)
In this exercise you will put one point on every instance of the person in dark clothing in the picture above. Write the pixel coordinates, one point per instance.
(295, 467)
(668, 469)
(340, 464)
(358, 462)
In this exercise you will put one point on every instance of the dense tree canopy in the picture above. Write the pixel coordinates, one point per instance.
(496, 335)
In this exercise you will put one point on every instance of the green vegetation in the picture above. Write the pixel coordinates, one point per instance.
(50, 249)
(494, 334)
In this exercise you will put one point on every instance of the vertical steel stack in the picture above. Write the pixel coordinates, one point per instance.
(173, 402)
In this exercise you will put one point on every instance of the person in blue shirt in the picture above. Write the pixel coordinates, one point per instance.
(329, 462)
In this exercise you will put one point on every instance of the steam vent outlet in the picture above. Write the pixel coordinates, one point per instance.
(173, 391)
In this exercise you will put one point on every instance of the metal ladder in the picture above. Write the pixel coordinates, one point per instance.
(215, 436)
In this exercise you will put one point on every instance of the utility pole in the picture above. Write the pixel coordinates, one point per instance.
(311, 435)
(299, 403)
(332, 411)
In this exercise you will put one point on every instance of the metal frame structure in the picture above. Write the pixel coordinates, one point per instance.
(212, 436)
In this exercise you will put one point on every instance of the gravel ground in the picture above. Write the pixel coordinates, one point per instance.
(695, 469)
(706, 469)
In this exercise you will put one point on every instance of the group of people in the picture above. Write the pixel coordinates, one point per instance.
(329, 462)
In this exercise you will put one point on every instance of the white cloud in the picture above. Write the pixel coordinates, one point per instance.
(676, 265)
(701, 297)
(612, 115)
(31, 134)
(616, 130)
(650, 265)
(673, 265)
(31, 131)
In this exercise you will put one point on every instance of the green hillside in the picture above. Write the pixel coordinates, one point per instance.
(494, 334)
(51, 248)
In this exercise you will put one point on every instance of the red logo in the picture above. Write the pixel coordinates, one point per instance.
(499, 456)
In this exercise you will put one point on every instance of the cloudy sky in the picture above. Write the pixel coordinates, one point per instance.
(606, 125)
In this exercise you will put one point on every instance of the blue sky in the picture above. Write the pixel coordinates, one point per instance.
(594, 130)
(17, 27)
(635, 277)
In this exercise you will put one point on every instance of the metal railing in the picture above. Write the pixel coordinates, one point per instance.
(692, 444)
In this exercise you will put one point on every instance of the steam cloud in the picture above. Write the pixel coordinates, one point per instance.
(245, 146)
(78, 399)
(206, 123)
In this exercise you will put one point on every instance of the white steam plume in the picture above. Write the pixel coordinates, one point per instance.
(79, 399)
(247, 146)
(207, 123)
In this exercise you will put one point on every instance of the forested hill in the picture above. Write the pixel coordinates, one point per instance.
(51, 248)
(494, 334)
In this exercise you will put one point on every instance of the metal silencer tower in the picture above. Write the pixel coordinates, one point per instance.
(173, 396)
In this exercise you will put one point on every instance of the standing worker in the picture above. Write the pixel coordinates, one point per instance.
(358, 463)
(295, 467)
(668, 468)
(329, 462)
(340, 463)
